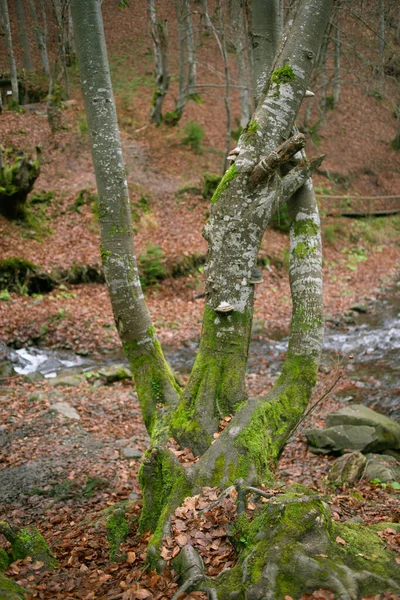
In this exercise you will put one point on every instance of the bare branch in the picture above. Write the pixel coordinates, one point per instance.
(271, 163)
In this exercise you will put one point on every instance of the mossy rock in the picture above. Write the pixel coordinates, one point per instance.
(9, 590)
(113, 373)
(28, 542)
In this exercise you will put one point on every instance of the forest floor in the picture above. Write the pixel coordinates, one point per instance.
(84, 465)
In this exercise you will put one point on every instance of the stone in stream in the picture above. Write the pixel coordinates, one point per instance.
(355, 427)
(348, 468)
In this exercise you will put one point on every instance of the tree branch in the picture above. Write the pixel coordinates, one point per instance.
(271, 163)
(299, 175)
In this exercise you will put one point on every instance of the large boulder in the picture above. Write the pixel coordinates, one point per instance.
(355, 428)
(383, 467)
(348, 468)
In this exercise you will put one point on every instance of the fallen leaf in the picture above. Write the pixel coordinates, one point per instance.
(340, 541)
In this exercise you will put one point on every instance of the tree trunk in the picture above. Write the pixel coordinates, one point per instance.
(41, 35)
(191, 59)
(243, 79)
(337, 78)
(293, 534)
(180, 104)
(61, 13)
(381, 45)
(23, 37)
(159, 32)
(265, 35)
(10, 51)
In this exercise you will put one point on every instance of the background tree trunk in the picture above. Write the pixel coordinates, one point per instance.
(159, 33)
(23, 37)
(191, 54)
(40, 34)
(10, 51)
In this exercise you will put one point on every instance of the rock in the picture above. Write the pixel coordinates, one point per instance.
(6, 370)
(131, 452)
(66, 410)
(114, 373)
(68, 380)
(33, 377)
(343, 438)
(360, 308)
(383, 467)
(9, 590)
(355, 427)
(387, 430)
(4, 437)
(348, 468)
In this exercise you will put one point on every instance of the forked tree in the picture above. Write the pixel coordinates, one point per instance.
(290, 546)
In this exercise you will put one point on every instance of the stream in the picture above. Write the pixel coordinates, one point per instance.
(368, 350)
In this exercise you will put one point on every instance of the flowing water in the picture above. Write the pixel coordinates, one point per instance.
(369, 351)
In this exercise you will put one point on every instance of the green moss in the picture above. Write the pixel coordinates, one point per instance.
(104, 254)
(152, 375)
(250, 131)
(9, 590)
(118, 230)
(117, 530)
(364, 549)
(230, 174)
(218, 471)
(303, 249)
(30, 542)
(161, 478)
(284, 74)
(4, 560)
(306, 227)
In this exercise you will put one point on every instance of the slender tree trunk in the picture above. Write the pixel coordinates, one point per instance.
(243, 79)
(23, 37)
(41, 35)
(10, 51)
(265, 34)
(381, 45)
(70, 41)
(323, 76)
(180, 104)
(60, 10)
(159, 32)
(155, 382)
(191, 58)
(337, 77)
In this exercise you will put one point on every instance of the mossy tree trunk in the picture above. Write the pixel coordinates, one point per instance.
(267, 171)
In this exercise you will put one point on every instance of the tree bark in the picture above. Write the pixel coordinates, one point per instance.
(156, 385)
(41, 35)
(10, 51)
(243, 79)
(23, 37)
(159, 32)
(191, 57)
(265, 35)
